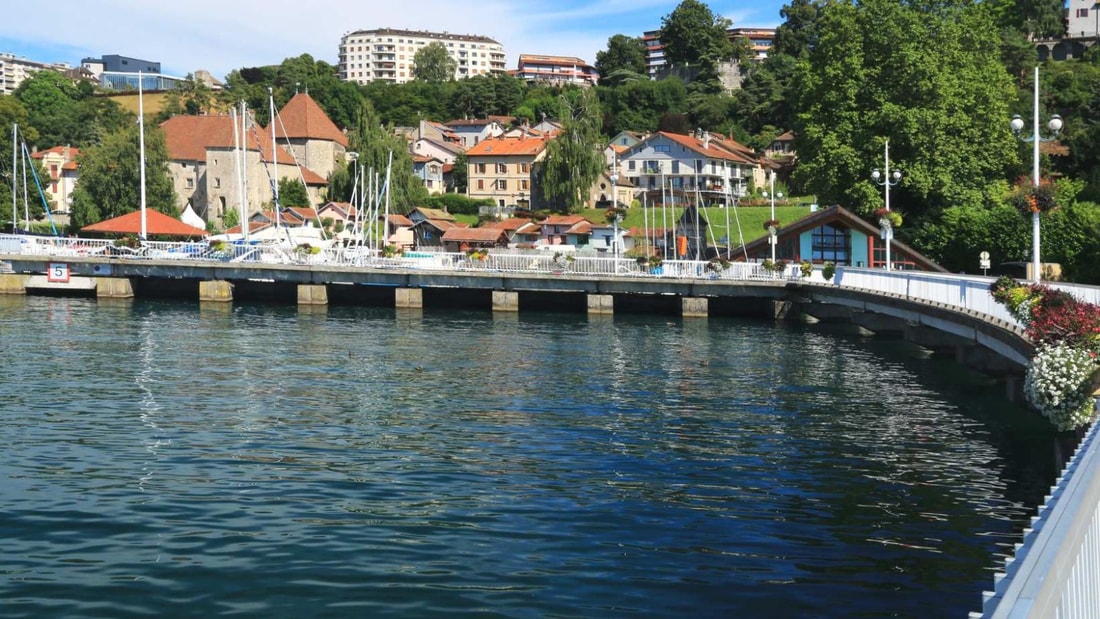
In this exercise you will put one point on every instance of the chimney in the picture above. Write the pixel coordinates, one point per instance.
(706, 140)
(67, 154)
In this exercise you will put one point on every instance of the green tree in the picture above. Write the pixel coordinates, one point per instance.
(459, 173)
(376, 145)
(692, 35)
(623, 59)
(925, 78)
(433, 63)
(110, 177)
(293, 193)
(574, 158)
(797, 35)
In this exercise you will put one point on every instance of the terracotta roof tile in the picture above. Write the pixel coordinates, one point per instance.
(302, 118)
(476, 235)
(521, 146)
(156, 223)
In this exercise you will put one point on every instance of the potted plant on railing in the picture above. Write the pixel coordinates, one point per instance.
(717, 265)
(563, 260)
(828, 271)
(391, 251)
(615, 214)
(479, 255)
(806, 268)
(776, 267)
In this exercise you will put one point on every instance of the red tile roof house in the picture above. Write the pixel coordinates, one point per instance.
(463, 239)
(61, 164)
(556, 229)
(202, 163)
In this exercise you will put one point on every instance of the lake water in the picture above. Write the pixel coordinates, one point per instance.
(164, 459)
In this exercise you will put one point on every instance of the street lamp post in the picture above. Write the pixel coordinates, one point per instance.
(887, 180)
(771, 193)
(1055, 126)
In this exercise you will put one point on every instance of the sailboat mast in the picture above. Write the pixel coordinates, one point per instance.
(244, 175)
(14, 180)
(386, 219)
(26, 200)
(141, 140)
(274, 159)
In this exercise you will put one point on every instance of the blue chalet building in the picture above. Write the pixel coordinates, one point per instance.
(839, 236)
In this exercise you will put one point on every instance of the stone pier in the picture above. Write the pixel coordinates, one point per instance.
(601, 304)
(504, 301)
(409, 298)
(216, 290)
(694, 307)
(114, 288)
(13, 283)
(312, 294)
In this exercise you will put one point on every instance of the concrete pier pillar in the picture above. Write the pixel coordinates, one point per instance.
(694, 307)
(114, 288)
(216, 290)
(504, 301)
(601, 304)
(312, 294)
(13, 283)
(412, 298)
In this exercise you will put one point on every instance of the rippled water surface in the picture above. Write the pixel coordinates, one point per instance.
(161, 459)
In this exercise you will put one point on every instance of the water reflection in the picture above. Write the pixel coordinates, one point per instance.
(358, 461)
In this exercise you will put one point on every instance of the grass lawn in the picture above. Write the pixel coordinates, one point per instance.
(752, 219)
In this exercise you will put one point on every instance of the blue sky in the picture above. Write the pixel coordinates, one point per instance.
(220, 36)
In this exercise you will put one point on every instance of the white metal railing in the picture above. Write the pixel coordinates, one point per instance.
(1056, 571)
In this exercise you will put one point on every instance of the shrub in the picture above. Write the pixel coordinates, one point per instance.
(1059, 384)
(806, 268)
(828, 271)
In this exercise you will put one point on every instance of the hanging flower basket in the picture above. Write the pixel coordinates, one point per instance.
(771, 225)
(615, 214)
(481, 255)
(1029, 199)
(887, 218)
(563, 260)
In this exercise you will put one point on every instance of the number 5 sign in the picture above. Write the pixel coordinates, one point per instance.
(58, 272)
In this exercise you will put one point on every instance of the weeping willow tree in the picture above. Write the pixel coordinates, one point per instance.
(374, 144)
(574, 159)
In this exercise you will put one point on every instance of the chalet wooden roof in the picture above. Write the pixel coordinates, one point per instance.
(840, 214)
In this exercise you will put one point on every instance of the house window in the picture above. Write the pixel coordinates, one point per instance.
(699, 166)
(660, 148)
(631, 165)
(523, 168)
(481, 168)
(523, 185)
(190, 183)
(217, 183)
(502, 184)
(481, 183)
(502, 168)
(832, 243)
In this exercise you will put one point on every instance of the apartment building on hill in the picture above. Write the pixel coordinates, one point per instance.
(387, 54)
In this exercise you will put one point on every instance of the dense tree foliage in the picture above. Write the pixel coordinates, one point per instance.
(292, 193)
(378, 149)
(693, 35)
(926, 79)
(433, 63)
(110, 177)
(623, 60)
(574, 159)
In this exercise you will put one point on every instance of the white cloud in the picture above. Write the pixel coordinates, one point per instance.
(221, 36)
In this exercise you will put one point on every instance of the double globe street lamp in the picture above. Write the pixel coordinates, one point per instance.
(887, 180)
(771, 228)
(1055, 127)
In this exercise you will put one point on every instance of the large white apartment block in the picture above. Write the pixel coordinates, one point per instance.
(15, 69)
(387, 54)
